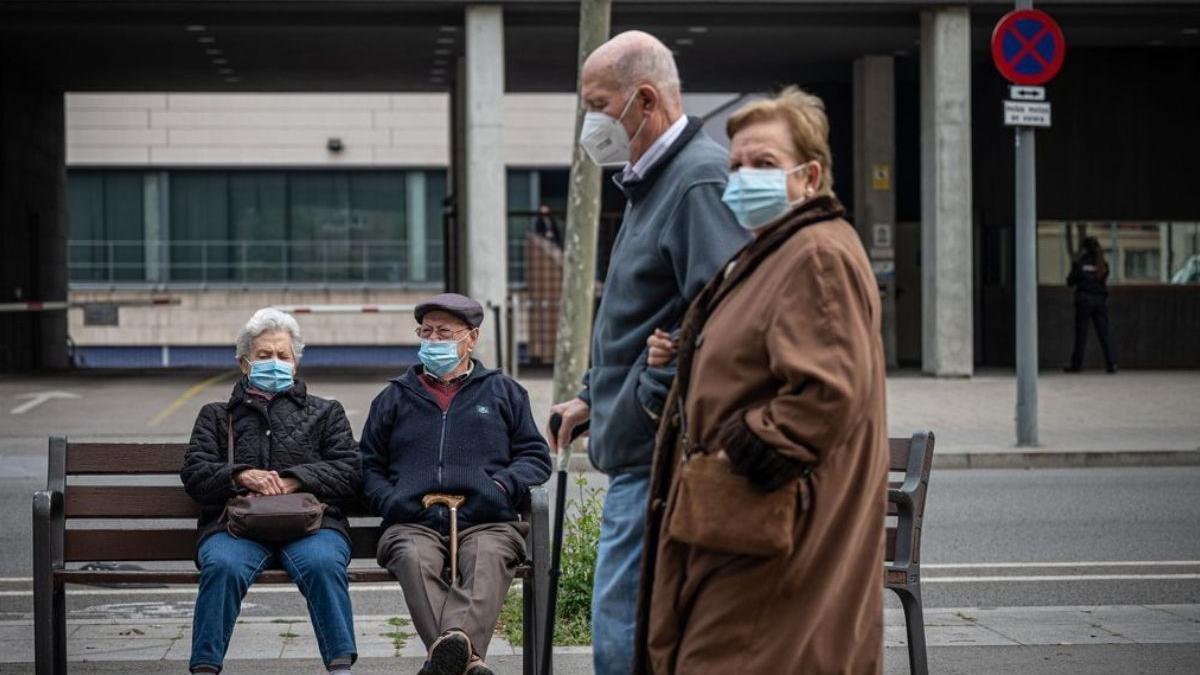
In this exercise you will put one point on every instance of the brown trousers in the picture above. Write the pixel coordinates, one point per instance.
(488, 556)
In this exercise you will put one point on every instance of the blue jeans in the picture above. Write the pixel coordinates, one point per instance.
(317, 563)
(618, 569)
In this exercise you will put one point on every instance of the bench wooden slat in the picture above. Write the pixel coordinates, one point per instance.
(273, 576)
(129, 501)
(899, 449)
(169, 544)
(151, 501)
(124, 458)
(889, 545)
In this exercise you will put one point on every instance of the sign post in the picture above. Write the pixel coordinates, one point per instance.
(1028, 49)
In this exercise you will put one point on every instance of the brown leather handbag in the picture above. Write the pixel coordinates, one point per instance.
(271, 518)
(716, 509)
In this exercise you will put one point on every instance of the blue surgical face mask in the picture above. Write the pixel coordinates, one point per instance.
(439, 356)
(758, 196)
(271, 375)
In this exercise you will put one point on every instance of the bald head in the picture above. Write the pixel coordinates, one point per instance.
(632, 59)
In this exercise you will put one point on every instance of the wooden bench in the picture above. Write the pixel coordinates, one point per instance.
(902, 557)
(55, 545)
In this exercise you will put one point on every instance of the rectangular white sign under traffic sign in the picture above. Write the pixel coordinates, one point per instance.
(1025, 114)
(1019, 93)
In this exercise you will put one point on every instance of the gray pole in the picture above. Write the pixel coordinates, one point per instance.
(1027, 332)
(583, 217)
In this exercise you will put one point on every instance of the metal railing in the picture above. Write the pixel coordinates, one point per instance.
(252, 262)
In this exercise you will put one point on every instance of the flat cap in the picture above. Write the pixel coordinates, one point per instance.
(459, 305)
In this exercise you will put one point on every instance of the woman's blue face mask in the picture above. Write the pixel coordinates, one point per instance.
(758, 196)
(271, 375)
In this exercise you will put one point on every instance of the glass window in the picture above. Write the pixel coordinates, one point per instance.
(257, 227)
(1137, 252)
(106, 226)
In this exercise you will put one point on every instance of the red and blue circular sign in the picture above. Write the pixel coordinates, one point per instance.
(1028, 47)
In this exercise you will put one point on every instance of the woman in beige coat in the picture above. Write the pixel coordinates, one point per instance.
(765, 531)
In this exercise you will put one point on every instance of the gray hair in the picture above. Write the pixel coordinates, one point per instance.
(651, 63)
(268, 320)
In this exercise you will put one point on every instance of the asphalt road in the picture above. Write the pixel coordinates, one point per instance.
(992, 538)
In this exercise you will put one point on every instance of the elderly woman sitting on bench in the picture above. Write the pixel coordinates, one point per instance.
(272, 438)
(449, 452)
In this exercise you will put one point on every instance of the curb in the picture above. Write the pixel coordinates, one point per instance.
(1031, 459)
(1049, 459)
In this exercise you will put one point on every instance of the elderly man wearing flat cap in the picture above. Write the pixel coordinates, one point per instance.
(447, 429)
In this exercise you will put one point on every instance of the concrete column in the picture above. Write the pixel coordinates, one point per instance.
(33, 221)
(946, 253)
(486, 213)
(874, 182)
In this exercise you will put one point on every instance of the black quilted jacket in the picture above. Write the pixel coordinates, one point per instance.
(299, 435)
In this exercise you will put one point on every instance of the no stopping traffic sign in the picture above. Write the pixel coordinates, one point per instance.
(1028, 47)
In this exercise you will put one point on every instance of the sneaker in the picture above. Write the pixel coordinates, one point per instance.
(477, 667)
(1111, 369)
(1072, 369)
(448, 655)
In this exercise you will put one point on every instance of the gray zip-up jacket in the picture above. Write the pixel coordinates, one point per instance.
(676, 234)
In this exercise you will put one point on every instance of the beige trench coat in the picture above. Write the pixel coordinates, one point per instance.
(791, 343)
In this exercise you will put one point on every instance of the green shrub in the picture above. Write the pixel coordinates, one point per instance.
(581, 537)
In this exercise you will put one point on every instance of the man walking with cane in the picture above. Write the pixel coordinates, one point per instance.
(675, 236)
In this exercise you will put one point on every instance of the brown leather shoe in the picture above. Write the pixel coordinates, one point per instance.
(476, 666)
(448, 655)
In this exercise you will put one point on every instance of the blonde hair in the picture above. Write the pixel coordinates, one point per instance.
(804, 115)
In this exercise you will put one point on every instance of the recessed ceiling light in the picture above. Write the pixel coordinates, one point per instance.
(675, 52)
(220, 62)
(441, 62)
(698, 30)
(684, 42)
(437, 71)
(1190, 31)
(206, 39)
(225, 71)
(901, 52)
(213, 52)
(448, 29)
(442, 52)
(438, 80)
(445, 41)
(233, 80)
(195, 28)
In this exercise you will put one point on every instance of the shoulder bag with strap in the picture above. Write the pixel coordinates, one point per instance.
(271, 518)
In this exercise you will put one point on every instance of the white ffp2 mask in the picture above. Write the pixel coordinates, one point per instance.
(604, 138)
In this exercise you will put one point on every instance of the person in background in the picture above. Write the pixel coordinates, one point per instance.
(284, 440)
(780, 399)
(451, 426)
(674, 236)
(1089, 277)
(546, 225)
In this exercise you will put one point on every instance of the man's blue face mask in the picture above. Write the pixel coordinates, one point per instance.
(758, 196)
(439, 356)
(271, 375)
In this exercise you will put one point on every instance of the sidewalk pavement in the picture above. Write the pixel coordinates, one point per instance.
(393, 638)
(1133, 418)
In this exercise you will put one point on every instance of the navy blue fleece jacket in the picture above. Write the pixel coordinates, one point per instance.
(410, 447)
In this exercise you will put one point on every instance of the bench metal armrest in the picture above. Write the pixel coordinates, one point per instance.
(48, 527)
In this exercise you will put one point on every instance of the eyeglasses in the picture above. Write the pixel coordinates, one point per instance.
(442, 333)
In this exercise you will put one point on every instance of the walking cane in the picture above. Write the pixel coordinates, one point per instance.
(452, 502)
(560, 497)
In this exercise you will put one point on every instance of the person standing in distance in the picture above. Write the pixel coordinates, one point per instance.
(676, 234)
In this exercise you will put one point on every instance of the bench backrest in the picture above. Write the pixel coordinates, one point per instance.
(103, 535)
(103, 507)
(911, 460)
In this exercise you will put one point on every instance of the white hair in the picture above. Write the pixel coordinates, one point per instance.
(649, 64)
(268, 320)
